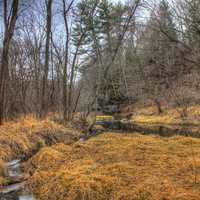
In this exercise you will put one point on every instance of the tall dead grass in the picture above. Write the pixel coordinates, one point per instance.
(22, 137)
(117, 167)
(170, 116)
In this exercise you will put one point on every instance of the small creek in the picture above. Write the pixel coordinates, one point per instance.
(15, 191)
(122, 126)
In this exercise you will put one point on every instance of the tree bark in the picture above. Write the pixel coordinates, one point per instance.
(65, 88)
(9, 24)
(44, 99)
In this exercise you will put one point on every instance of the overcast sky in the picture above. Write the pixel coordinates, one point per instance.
(117, 1)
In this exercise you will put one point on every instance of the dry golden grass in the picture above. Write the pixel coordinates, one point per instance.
(21, 137)
(104, 117)
(118, 167)
(150, 115)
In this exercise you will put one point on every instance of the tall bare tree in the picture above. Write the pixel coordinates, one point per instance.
(44, 95)
(65, 71)
(10, 18)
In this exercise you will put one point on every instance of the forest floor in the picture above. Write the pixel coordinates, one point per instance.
(110, 166)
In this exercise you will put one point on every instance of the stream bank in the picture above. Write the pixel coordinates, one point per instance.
(16, 191)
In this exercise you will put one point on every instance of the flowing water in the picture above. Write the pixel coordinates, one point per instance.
(16, 190)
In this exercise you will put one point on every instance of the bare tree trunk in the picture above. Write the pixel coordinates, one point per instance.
(52, 93)
(70, 109)
(9, 31)
(77, 99)
(44, 103)
(65, 88)
(158, 105)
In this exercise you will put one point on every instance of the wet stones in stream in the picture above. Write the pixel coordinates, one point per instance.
(15, 191)
(14, 171)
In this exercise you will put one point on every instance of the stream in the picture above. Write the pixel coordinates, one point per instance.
(122, 126)
(15, 191)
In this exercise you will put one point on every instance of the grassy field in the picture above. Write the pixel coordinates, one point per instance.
(170, 116)
(118, 167)
(111, 166)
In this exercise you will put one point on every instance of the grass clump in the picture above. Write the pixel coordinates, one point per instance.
(117, 167)
(27, 135)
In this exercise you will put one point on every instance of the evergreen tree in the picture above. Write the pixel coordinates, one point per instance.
(162, 49)
(192, 23)
(99, 40)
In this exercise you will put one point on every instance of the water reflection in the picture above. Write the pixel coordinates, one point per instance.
(162, 130)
